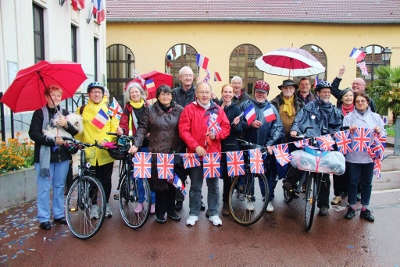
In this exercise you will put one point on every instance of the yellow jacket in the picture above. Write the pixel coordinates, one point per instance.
(91, 133)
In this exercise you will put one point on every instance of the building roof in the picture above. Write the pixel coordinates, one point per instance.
(305, 11)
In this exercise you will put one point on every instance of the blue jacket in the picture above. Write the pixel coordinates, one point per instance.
(270, 133)
(312, 115)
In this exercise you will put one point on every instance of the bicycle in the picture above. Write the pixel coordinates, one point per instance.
(247, 202)
(313, 177)
(85, 192)
(132, 191)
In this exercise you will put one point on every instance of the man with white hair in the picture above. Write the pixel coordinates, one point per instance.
(239, 93)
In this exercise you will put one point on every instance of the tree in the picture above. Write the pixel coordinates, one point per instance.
(386, 90)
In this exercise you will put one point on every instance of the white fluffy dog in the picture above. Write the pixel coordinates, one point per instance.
(74, 119)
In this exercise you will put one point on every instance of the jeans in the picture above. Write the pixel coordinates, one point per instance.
(142, 193)
(196, 177)
(58, 174)
(363, 174)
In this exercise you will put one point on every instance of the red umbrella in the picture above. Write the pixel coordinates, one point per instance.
(290, 62)
(154, 79)
(26, 93)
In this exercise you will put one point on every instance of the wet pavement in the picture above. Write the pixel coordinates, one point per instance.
(278, 239)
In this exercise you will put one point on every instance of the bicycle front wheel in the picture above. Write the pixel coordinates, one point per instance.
(248, 197)
(85, 207)
(134, 201)
(311, 198)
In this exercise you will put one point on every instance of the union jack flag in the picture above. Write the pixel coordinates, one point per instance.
(301, 143)
(382, 139)
(343, 142)
(190, 160)
(363, 68)
(377, 168)
(256, 161)
(207, 78)
(377, 148)
(325, 142)
(212, 165)
(282, 155)
(142, 165)
(165, 166)
(213, 125)
(361, 139)
(115, 110)
(235, 163)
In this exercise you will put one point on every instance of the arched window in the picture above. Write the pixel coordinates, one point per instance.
(242, 63)
(178, 56)
(120, 66)
(320, 55)
(373, 59)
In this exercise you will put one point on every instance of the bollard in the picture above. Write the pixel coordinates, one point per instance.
(397, 137)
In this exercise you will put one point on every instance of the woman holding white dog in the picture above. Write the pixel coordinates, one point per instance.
(50, 156)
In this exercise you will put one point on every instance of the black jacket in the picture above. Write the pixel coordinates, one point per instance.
(230, 143)
(35, 133)
(182, 97)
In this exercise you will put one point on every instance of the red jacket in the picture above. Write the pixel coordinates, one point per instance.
(193, 126)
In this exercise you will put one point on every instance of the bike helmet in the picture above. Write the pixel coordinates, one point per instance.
(261, 86)
(322, 85)
(95, 85)
(118, 153)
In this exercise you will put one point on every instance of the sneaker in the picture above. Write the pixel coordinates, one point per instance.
(350, 213)
(174, 217)
(323, 211)
(358, 198)
(139, 208)
(215, 220)
(336, 200)
(250, 207)
(366, 214)
(153, 208)
(94, 212)
(192, 220)
(270, 208)
(160, 219)
(108, 211)
(225, 209)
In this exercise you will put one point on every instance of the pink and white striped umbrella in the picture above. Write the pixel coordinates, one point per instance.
(290, 62)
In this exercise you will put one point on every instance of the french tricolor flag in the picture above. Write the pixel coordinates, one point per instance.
(99, 10)
(217, 77)
(100, 119)
(269, 113)
(202, 61)
(357, 54)
(250, 114)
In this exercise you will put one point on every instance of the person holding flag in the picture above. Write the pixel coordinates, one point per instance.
(266, 129)
(159, 122)
(359, 164)
(195, 130)
(317, 118)
(135, 98)
(96, 123)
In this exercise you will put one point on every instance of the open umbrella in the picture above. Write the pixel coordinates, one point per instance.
(290, 62)
(26, 93)
(154, 79)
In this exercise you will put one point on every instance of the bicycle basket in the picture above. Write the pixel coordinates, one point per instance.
(331, 162)
(118, 153)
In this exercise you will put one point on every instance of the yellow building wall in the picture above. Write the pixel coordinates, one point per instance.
(151, 41)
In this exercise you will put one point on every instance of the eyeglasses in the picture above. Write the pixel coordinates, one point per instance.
(358, 84)
(187, 75)
(96, 92)
(203, 93)
(165, 94)
(361, 101)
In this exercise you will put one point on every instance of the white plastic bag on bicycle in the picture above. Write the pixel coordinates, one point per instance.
(321, 162)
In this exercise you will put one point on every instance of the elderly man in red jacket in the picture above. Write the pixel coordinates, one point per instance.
(195, 132)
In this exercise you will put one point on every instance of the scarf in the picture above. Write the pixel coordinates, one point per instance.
(165, 108)
(347, 110)
(45, 151)
(135, 106)
(288, 106)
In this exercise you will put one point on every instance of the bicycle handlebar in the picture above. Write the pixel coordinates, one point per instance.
(262, 148)
(79, 143)
(122, 136)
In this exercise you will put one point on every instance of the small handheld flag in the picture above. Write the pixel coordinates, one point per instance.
(100, 119)
(217, 77)
(357, 54)
(115, 109)
(269, 113)
(250, 114)
(207, 78)
(202, 61)
(363, 68)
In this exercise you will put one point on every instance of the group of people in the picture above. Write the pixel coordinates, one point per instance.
(179, 122)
